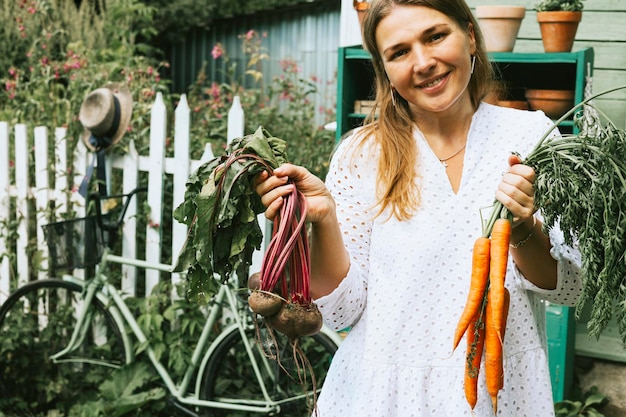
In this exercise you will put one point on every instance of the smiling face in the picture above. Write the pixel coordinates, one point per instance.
(427, 58)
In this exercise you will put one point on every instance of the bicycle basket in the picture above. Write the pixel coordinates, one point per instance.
(75, 243)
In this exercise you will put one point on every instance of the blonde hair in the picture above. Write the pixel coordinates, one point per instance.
(393, 129)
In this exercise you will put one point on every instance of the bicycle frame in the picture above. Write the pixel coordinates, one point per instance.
(114, 302)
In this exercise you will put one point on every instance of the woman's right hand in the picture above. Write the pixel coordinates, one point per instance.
(273, 188)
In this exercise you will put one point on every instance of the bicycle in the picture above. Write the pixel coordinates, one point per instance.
(82, 330)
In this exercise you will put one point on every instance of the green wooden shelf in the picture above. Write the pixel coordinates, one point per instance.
(559, 70)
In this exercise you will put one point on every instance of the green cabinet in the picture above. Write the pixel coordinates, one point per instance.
(518, 71)
(355, 81)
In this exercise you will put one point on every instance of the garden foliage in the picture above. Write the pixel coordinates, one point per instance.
(54, 53)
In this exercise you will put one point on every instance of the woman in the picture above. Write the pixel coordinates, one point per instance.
(393, 228)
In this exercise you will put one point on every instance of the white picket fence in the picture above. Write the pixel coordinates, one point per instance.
(17, 197)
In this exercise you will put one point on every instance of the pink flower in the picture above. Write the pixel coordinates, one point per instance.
(217, 51)
(250, 34)
(31, 10)
(13, 72)
(215, 90)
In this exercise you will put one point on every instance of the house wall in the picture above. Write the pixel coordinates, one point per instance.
(307, 34)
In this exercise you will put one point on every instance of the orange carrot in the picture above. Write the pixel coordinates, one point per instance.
(475, 337)
(505, 315)
(478, 282)
(499, 256)
(494, 366)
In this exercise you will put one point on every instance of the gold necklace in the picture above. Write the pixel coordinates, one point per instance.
(443, 160)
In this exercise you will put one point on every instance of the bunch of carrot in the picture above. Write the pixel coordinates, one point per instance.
(483, 320)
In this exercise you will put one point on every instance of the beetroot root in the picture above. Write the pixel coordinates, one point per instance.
(254, 281)
(265, 303)
(295, 320)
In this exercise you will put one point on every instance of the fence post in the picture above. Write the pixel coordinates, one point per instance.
(42, 187)
(61, 180)
(130, 163)
(5, 276)
(22, 181)
(79, 170)
(158, 128)
(235, 121)
(181, 174)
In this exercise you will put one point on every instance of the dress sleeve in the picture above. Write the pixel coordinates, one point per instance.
(351, 181)
(569, 284)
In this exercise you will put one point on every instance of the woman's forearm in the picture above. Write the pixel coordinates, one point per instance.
(329, 257)
(533, 256)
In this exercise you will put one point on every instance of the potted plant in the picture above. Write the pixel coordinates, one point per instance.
(558, 21)
(500, 25)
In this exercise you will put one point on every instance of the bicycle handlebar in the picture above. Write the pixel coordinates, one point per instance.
(113, 226)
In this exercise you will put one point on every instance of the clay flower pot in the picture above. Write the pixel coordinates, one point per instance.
(500, 26)
(558, 29)
(361, 7)
(554, 103)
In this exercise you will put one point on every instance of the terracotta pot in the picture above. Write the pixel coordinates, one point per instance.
(558, 29)
(500, 26)
(554, 103)
(514, 104)
(361, 7)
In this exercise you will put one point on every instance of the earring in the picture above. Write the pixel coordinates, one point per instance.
(473, 64)
(393, 97)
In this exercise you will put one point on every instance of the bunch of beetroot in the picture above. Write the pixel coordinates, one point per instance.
(280, 292)
(220, 208)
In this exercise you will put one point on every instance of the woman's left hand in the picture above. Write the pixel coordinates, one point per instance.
(516, 191)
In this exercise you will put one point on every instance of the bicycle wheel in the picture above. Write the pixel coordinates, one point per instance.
(229, 376)
(37, 321)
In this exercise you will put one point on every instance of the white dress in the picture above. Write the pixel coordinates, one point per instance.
(408, 282)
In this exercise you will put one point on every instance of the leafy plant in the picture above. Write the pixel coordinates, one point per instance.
(173, 328)
(284, 107)
(588, 406)
(555, 5)
(126, 393)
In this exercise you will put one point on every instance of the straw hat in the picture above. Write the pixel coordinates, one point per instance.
(105, 115)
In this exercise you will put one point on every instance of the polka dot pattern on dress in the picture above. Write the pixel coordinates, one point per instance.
(408, 282)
